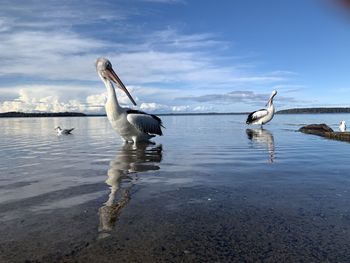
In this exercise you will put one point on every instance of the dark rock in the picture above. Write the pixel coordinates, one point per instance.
(317, 129)
(324, 130)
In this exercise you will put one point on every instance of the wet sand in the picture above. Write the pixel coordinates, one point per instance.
(202, 224)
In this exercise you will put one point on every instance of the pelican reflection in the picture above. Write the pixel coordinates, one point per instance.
(263, 137)
(130, 160)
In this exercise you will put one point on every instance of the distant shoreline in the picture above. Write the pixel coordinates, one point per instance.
(318, 110)
(80, 114)
(41, 114)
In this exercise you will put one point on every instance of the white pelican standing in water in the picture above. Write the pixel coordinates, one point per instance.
(342, 126)
(264, 115)
(132, 125)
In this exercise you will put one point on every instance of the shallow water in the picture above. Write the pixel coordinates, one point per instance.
(211, 189)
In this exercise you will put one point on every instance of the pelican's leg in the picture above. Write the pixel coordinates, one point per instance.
(134, 140)
(142, 140)
(126, 140)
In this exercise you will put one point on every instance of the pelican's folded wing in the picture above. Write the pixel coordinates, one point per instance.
(256, 115)
(144, 122)
(69, 130)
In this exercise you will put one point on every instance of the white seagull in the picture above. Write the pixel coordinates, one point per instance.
(132, 125)
(342, 126)
(61, 131)
(264, 115)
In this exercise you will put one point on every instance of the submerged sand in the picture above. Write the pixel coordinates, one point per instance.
(203, 224)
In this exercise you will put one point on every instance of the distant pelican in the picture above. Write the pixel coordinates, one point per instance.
(264, 115)
(61, 131)
(132, 125)
(342, 126)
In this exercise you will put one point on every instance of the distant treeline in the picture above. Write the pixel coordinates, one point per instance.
(79, 114)
(314, 110)
(41, 114)
(201, 113)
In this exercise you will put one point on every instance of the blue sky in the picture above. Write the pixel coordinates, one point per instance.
(174, 55)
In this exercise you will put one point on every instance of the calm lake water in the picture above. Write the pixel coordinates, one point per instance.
(210, 190)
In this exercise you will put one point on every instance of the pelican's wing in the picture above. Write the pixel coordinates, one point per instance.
(67, 131)
(147, 123)
(256, 115)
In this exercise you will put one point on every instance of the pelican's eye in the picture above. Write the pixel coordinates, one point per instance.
(108, 65)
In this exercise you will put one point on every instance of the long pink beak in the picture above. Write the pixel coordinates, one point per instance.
(114, 77)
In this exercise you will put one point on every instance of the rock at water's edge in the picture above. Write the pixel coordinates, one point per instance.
(316, 128)
(324, 130)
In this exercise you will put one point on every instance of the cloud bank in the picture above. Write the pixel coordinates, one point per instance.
(48, 48)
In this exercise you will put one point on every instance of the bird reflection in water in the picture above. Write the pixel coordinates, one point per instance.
(130, 160)
(263, 137)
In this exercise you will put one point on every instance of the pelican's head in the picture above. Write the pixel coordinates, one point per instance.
(106, 73)
(58, 128)
(273, 94)
(342, 122)
(102, 64)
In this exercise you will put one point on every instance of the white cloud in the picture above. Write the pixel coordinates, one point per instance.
(51, 13)
(53, 99)
(26, 102)
(64, 91)
(96, 100)
(4, 24)
(39, 100)
(153, 107)
(163, 56)
(238, 96)
(203, 108)
(49, 55)
(181, 108)
(157, 66)
(160, 108)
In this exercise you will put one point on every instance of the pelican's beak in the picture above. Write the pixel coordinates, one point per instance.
(114, 77)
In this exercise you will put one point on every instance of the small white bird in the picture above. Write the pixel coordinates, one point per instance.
(264, 115)
(61, 131)
(132, 125)
(342, 126)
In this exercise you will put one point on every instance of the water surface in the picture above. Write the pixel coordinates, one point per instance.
(211, 189)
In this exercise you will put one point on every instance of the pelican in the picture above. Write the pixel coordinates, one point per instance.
(264, 115)
(131, 159)
(342, 126)
(132, 125)
(61, 131)
(263, 137)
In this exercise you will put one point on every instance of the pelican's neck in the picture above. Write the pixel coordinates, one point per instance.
(112, 101)
(270, 105)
